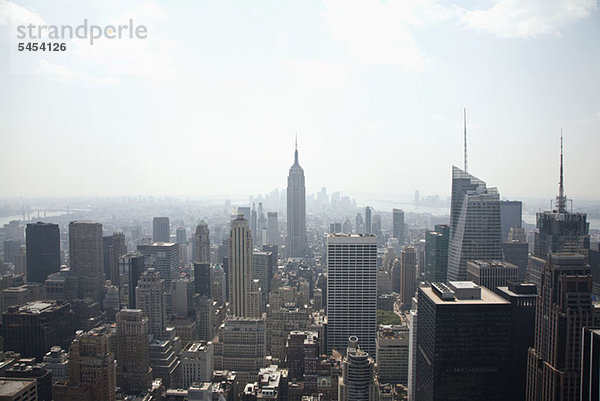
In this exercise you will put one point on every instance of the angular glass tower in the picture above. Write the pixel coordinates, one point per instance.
(475, 230)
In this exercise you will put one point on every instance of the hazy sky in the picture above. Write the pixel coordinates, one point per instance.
(210, 102)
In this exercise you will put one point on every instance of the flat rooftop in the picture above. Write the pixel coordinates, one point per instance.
(10, 387)
(487, 297)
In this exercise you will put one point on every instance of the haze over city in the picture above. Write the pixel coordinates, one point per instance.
(209, 104)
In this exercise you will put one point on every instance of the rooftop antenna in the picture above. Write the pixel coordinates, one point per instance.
(561, 199)
(296, 150)
(465, 124)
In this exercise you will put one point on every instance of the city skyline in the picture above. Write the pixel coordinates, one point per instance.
(374, 73)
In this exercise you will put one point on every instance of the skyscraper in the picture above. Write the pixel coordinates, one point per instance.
(201, 249)
(368, 221)
(43, 251)
(436, 253)
(92, 364)
(351, 290)
(559, 231)
(590, 364)
(202, 279)
(240, 267)
(297, 245)
(33, 328)
(113, 247)
(358, 371)
(85, 252)
(272, 229)
(475, 231)
(408, 275)
(510, 216)
(463, 343)
(164, 258)
(131, 267)
(564, 307)
(398, 225)
(150, 298)
(161, 229)
(133, 368)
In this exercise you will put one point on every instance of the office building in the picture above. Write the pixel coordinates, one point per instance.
(161, 229)
(180, 235)
(516, 250)
(510, 216)
(15, 389)
(408, 275)
(491, 273)
(263, 267)
(240, 267)
(392, 354)
(272, 229)
(475, 230)
(32, 329)
(351, 290)
(297, 245)
(131, 267)
(197, 363)
(57, 361)
(92, 364)
(133, 368)
(162, 257)
(398, 225)
(358, 374)
(436, 253)
(590, 364)
(43, 251)
(113, 247)
(25, 369)
(202, 279)
(522, 298)
(85, 252)
(368, 221)
(463, 343)
(201, 243)
(241, 347)
(564, 307)
(151, 299)
(165, 365)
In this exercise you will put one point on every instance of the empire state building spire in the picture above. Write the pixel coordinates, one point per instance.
(296, 152)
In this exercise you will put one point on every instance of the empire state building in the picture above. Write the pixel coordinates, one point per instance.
(296, 211)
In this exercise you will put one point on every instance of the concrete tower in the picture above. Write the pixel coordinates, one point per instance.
(240, 267)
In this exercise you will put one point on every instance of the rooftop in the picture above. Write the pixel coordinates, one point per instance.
(10, 387)
(487, 297)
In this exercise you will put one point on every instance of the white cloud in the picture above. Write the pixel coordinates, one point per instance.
(528, 18)
(377, 32)
(62, 74)
(12, 15)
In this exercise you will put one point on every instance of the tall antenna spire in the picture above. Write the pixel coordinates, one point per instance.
(465, 124)
(296, 150)
(561, 199)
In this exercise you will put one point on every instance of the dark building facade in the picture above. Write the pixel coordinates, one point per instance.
(436, 253)
(43, 251)
(590, 364)
(161, 229)
(463, 343)
(32, 329)
(522, 298)
(564, 307)
(202, 279)
(131, 267)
